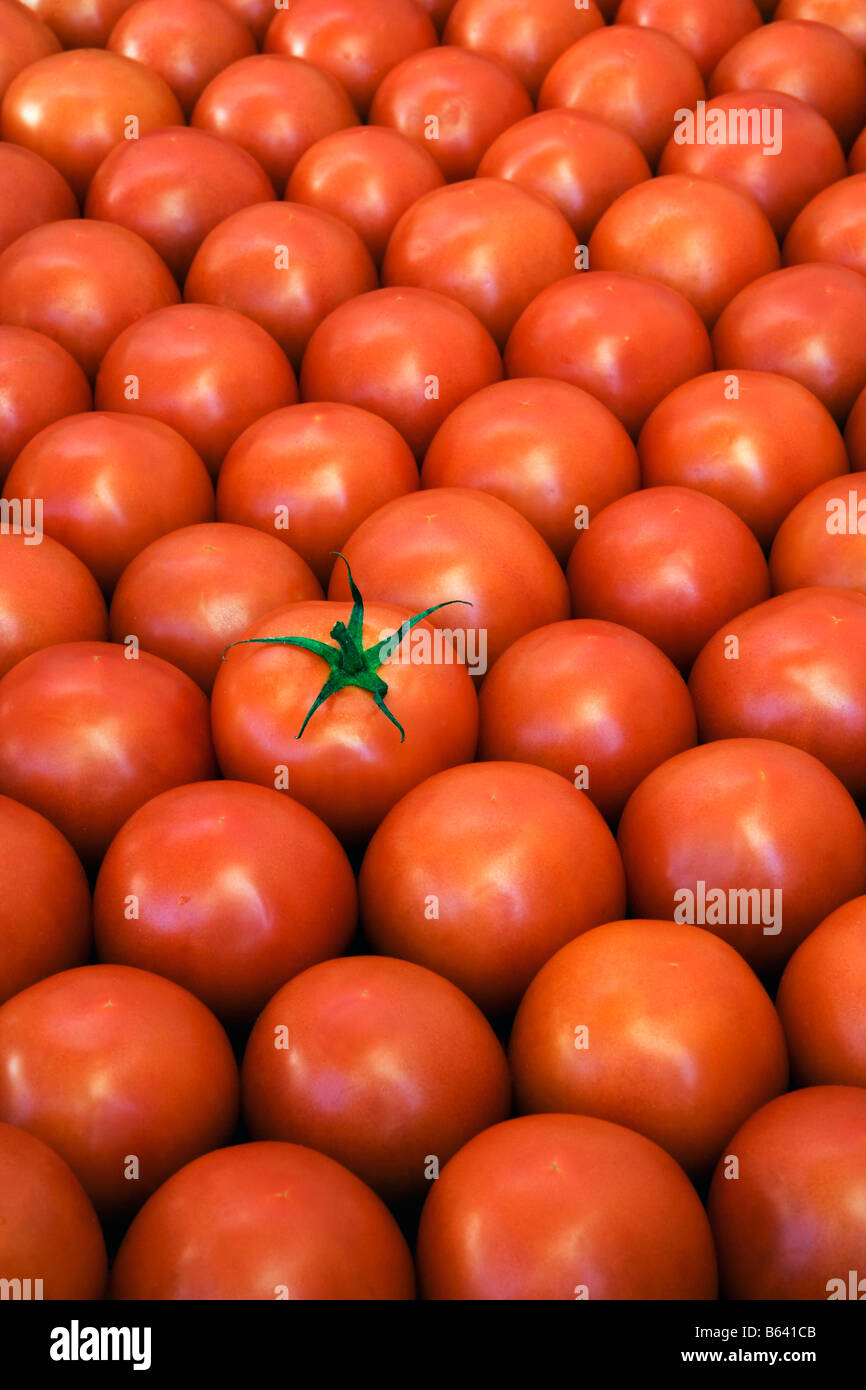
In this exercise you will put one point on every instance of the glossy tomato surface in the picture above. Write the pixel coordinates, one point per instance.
(32, 193)
(186, 41)
(703, 28)
(39, 383)
(832, 227)
(822, 541)
(46, 596)
(527, 39)
(820, 1001)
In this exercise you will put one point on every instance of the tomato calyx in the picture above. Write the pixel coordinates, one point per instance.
(351, 663)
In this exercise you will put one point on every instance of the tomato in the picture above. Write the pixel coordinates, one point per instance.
(855, 432)
(24, 39)
(256, 15)
(823, 539)
(483, 872)
(111, 484)
(72, 108)
(625, 339)
(552, 452)
(31, 193)
(703, 28)
(793, 1226)
(564, 1207)
(857, 158)
(264, 1221)
(810, 61)
(592, 701)
(206, 371)
(756, 441)
(451, 102)
(45, 922)
(356, 41)
(310, 474)
(484, 242)
(799, 676)
(438, 10)
(126, 1075)
(832, 227)
(236, 889)
(368, 176)
(634, 78)
(190, 593)
(39, 383)
(789, 155)
(81, 283)
(186, 41)
(80, 23)
(284, 266)
(46, 596)
(275, 108)
(387, 1068)
(804, 323)
(698, 236)
(89, 736)
(48, 1223)
(743, 829)
(650, 561)
(821, 998)
(527, 39)
(408, 355)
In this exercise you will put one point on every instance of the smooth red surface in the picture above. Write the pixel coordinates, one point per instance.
(703, 28)
(832, 227)
(78, 23)
(24, 39)
(31, 193)
(46, 596)
(821, 1001)
(186, 41)
(526, 38)
(823, 539)
(39, 383)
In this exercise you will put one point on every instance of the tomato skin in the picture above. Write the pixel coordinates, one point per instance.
(586, 694)
(563, 1206)
(855, 433)
(263, 1221)
(832, 227)
(704, 29)
(744, 814)
(527, 40)
(507, 861)
(45, 925)
(39, 383)
(31, 193)
(820, 1001)
(186, 41)
(657, 1000)
(46, 596)
(89, 736)
(208, 864)
(857, 157)
(807, 553)
(361, 1081)
(78, 23)
(24, 39)
(104, 1062)
(256, 15)
(793, 1222)
(48, 1222)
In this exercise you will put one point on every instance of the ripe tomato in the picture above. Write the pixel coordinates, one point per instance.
(31, 193)
(527, 39)
(256, 15)
(378, 1063)
(821, 1001)
(80, 23)
(857, 158)
(46, 596)
(823, 539)
(847, 16)
(483, 872)
(632, 1023)
(592, 701)
(24, 39)
(746, 829)
(207, 869)
(39, 383)
(89, 736)
(564, 1207)
(832, 227)
(186, 41)
(703, 28)
(855, 432)
(264, 1221)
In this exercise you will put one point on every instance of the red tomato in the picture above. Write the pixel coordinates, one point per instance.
(527, 39)
(206, 371)
(848, 16)
(703, 28)
(275, 108)
(48, 1223)
(650, 561)
(72, 108)
(451, 102)
(39, 383)
(607, 1029)
(789, 154)
(256, 15)
(81, 283)
(111, 484)
(632, 77)
(857, 158)
(821, 1001)
(803, 322)
(832, 227)
(799, 675)
(356, 41)
(45, 923)
(235, 890)
(743, 829)
(552, 452)
(264, 1221)
(24, 39)
(31, 193)
(482, 873)
(46, 596)
(823, 539)
(792, 1225)
(756, 441)
(368, 176)
(624, 339)
(284, 266)
(89, 736)
(189, 594)
(310, 474)
(438, 10)
(126, 1075)
(385, 1067)
(592, 701)
(855, 432)
(78, 23)
(810, 61)
(484, 242)
(186, 41)
(564, 1207)
(408, 355)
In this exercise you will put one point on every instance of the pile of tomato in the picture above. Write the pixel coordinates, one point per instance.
(433, 649)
